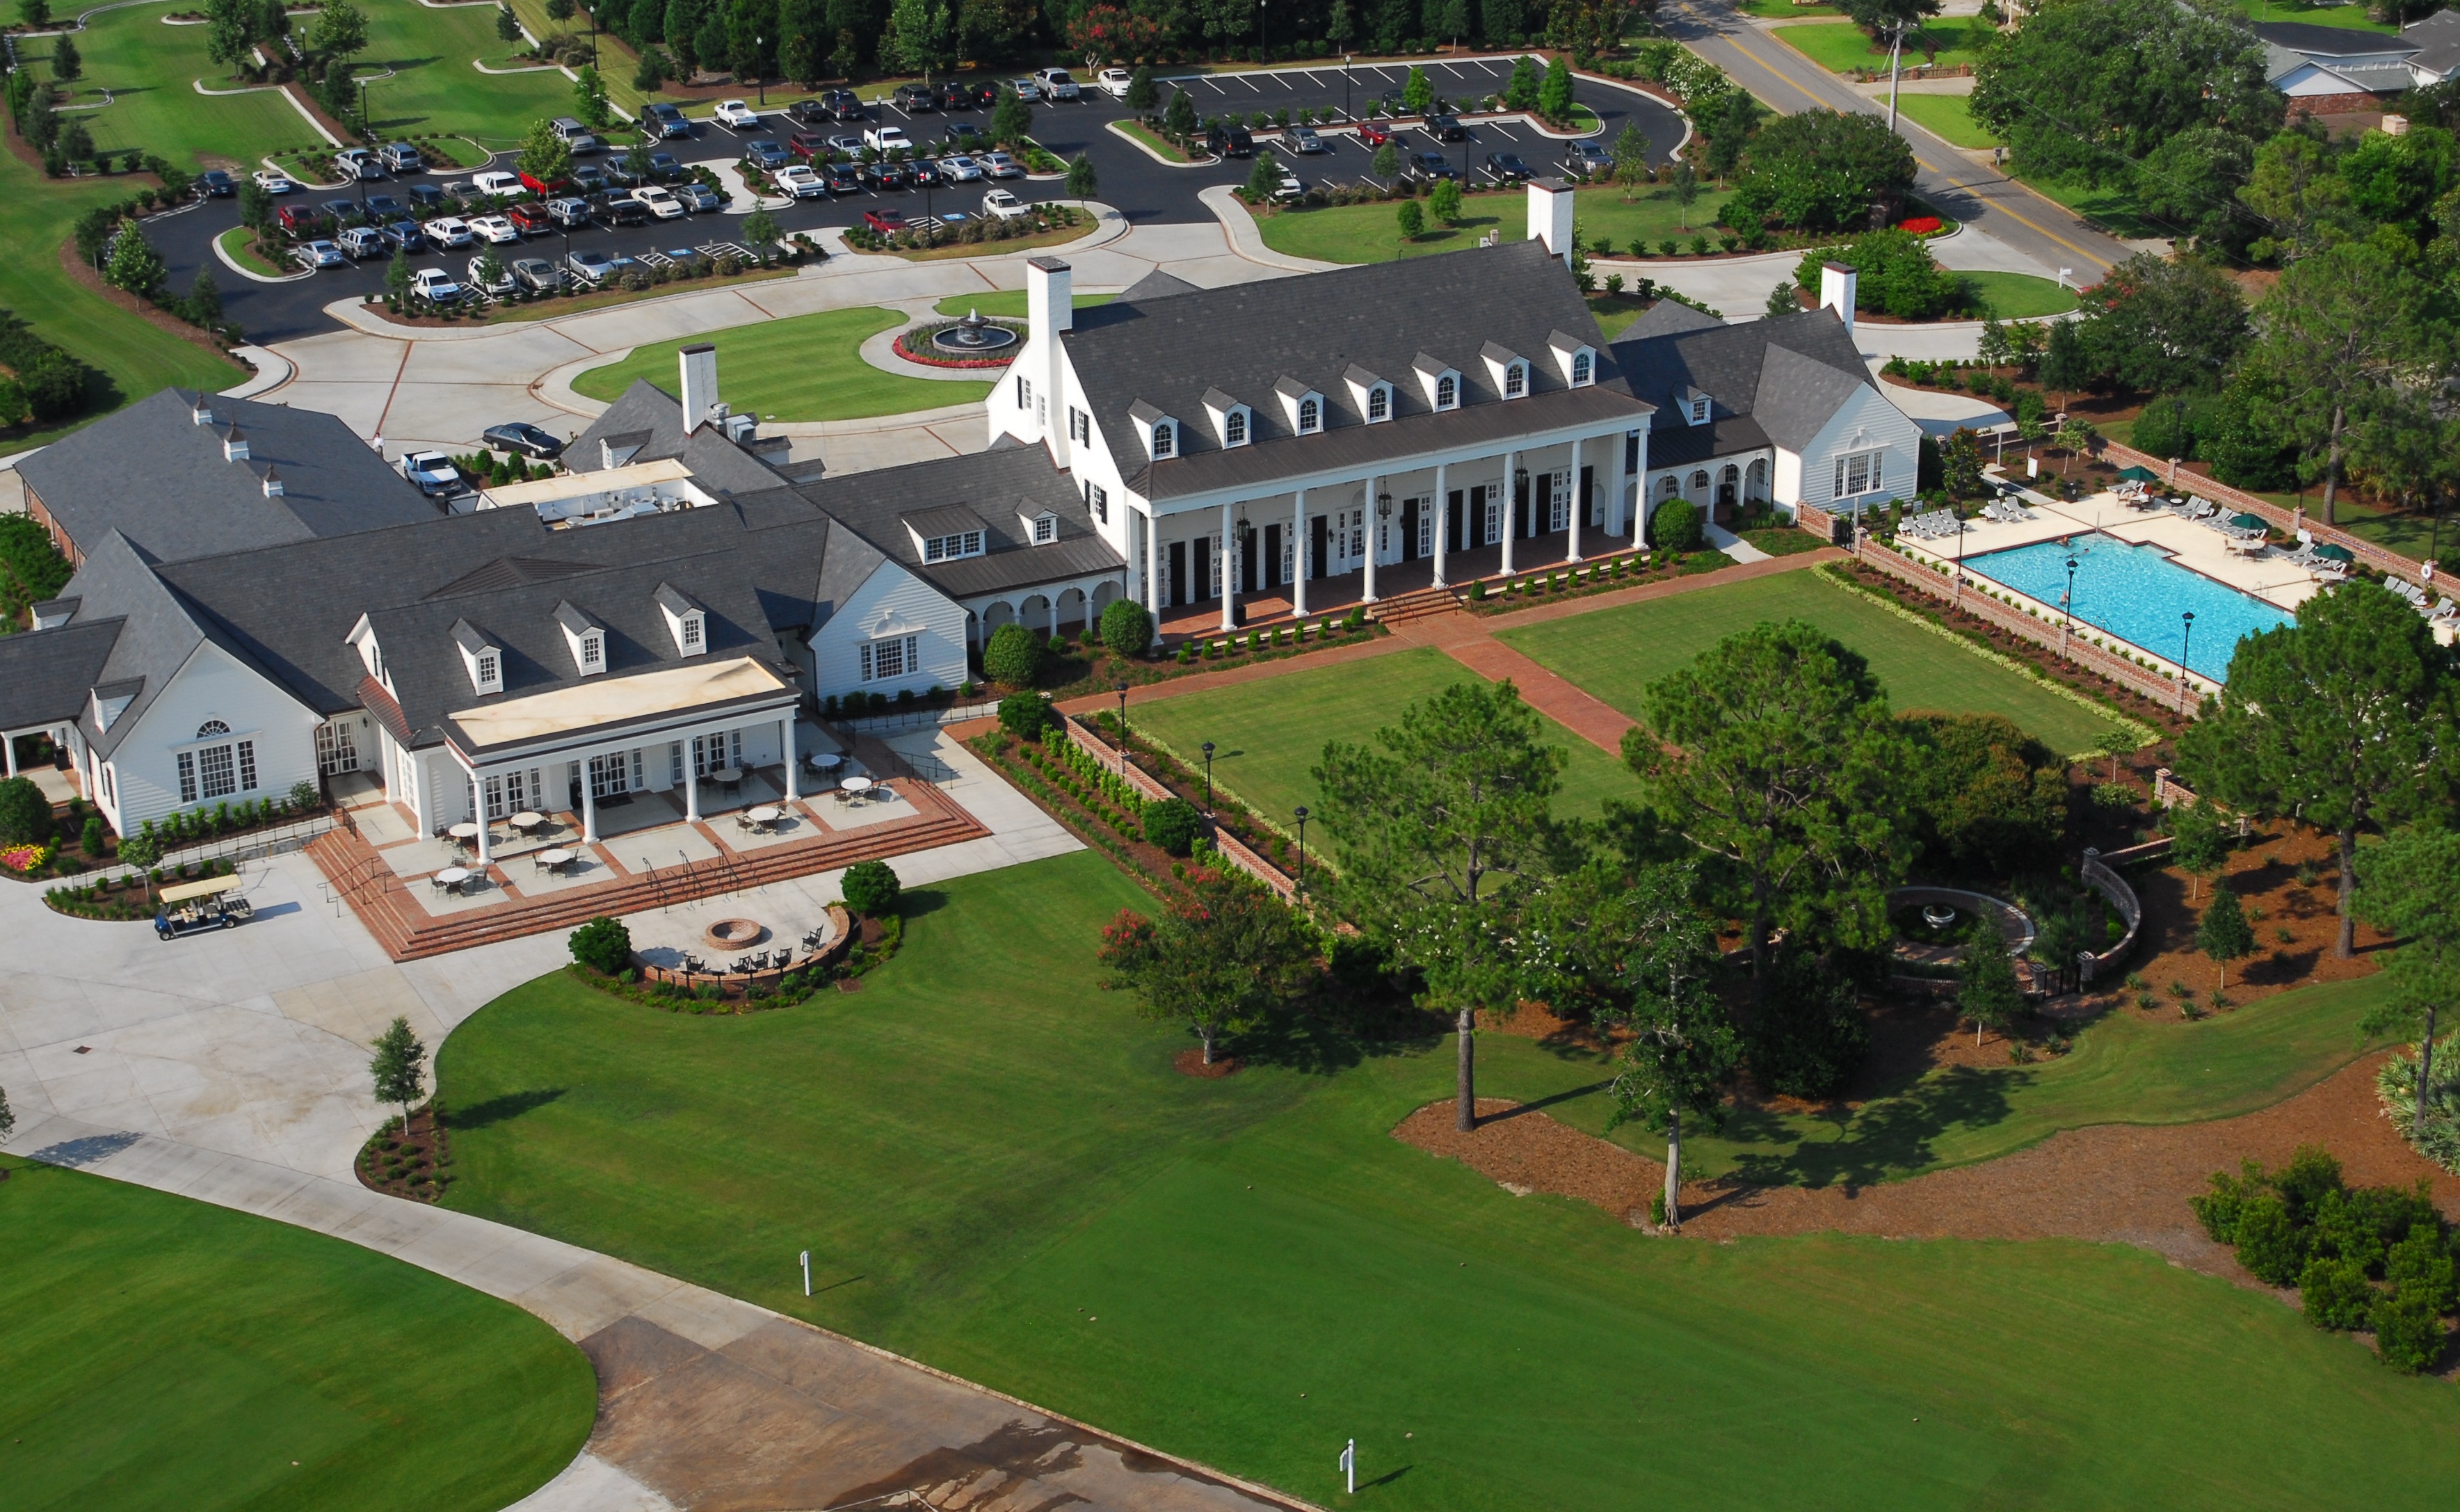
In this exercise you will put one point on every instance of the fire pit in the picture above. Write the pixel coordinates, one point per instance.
(973, 337)
(728, 934)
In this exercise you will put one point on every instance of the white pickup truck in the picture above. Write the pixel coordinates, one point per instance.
(888, 139)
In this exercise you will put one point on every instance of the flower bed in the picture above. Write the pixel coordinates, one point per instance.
(915, 346)
(126, 900)
(853, 952)
(1922, 226)
(1141, 859)
(416, 1167)
(1503, 596)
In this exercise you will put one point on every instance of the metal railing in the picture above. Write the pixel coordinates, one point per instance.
(255, 845)
(916, 718)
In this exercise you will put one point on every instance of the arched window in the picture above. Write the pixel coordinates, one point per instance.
(1670, 487)
(1379, 403)
(1165, 442)
(1581, 364)
(1700, 482)
(1233, 429)
(1309, 412)
(1446, 391)
(1515, 380)
(212, 728)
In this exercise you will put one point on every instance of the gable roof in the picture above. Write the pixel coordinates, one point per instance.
(45, 674)
(157, 635)
(1172, 355)
(2332, 41)
(1786, 376)
(2437, 39)
(156, 475)
(991, 490)
(652, 419)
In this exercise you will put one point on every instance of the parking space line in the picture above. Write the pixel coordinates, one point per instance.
(1249, 82)
(1498, 126)
(1216, 88)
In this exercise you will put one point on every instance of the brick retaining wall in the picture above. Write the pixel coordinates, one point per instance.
(1233, 850)
(2286, 520)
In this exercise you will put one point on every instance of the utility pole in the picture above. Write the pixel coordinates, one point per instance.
(1895, 67)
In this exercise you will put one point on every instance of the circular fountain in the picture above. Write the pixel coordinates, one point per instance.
(973, 337)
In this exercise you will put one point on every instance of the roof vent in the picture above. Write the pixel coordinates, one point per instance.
(202, 413)
(234, 445)
(272, 483)
(740, 428)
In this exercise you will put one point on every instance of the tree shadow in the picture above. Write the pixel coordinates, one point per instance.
(1567, 1094)
(1300, 1042)
(922, 901)
(1894, 1137)
(502, 1109)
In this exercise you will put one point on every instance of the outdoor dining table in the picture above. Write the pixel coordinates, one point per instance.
(827, 760)
(465, 830)
(451, 877)
(766, 815)
(553, 860)
(725, 776)
(854, 784)
(526, 822)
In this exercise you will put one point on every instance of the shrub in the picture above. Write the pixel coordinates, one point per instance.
(2270, 1244)
(1012, 656)
(603, 946)
(1675, 526)
(1025, 715)
(2407, 1329)
(96, 836)
(870, 888)
(1127, 630)
(1812, 1036)
(2334, 1294)
(1173, 824)
(25, 814)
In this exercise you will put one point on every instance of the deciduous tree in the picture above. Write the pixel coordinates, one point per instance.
(2198, 844)
(1441, 836)
(399, 1069)
(2409, 886)
(341, 31)
(2223, 934)
(1823, 170)
(2343, 719)
(1986, 990)
(544, 156)
(2164, 324)
(1222, 957)
(135, 266)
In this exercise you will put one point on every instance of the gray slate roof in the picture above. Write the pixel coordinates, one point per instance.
(1383, 317)
(1786, 376)
(159, 632)
(44, 675)
(2437, 39)
(1000, 486)
(648, 410)
(158, 478)
(2332, 41)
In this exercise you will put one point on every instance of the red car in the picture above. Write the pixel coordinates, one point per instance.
(808, 146)
(1372, 135)
(531, 216)
(300, 217)
(887, 223)
(541, 187)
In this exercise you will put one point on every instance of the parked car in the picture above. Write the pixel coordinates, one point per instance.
(766, 156)
(215, 183)
(1374, 134)
(297, 219)
(1000, 166)
(840, 105)
(357, 163)
(1304, 139)
(1426, 167)
(494, 231)
(403, 235)
(591, 265)
(699, 197)
(537, 274)
(668, 120)
(843, 178)
(495, 184)
(529, 218)
(1001, 205)
(363, 241)
(520, 436)
(449, 231)
(426, 197)
(622, 175)
(1113, 82)
(924, 173)
(805, 145)
(569, 213)
(888, 139)
(959, 169)
(588, 178)
(796, 181)
(735, 115)
(400, 158)
(434, 472)
(620, 209)
(1288, 187)
(493, 287)
(585, 144)
(343, 212)
(318, 253)
(664, 167)
(956, 94)
(1230, 142)
(965, 137)
(660, 205)
(915, 100)
(273, 181)
(1056, 84)
(567, 127)
(846, 144)
(191, 908)
(382, 207)
(1028, 90)
(882, 176)
(1588, 159)
(436, 286)
(1506, 167)
(1446, 128)
(887, 223)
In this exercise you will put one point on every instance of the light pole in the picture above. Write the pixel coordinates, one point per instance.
(1122, 687)
(757, 43)
(1347, 59)
(1300, 813)
(2186, 633)
(2067, 608)
(1208, 777)
(1955, 589)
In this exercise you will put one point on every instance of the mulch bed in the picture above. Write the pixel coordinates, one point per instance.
(418, 1169)
(2264, 876)
(1191, 1063)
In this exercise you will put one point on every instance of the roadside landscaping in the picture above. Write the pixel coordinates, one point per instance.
(165, 1352)
(1212, 1266)
(806, 368)
(241, 244)
(1844, 48)
(1368, 232)
(1948, 118)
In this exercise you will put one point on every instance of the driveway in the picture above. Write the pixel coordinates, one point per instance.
(231, 1067)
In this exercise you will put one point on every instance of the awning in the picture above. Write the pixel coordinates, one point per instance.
(191, 891)
(2141, 475)
(2333, 553)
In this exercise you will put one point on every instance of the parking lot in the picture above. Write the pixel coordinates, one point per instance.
(1142, 189)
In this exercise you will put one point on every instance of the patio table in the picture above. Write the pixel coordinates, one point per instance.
(827, 761)
(453, 877)
(553, 860)
(766, 815)
(725, 776)
(854, 784)
(526, 822)
(465, 830)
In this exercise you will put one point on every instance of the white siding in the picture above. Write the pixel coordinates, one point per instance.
(1865, 422)
(211, 685)
(891, 601)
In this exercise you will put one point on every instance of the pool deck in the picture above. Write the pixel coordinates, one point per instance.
(2199, 548)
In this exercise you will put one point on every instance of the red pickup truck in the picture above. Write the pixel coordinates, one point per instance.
(541, 188)
(531, 216)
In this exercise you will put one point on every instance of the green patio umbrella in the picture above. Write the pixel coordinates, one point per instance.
(2141, 475)
(2333, 553)
(2249, 522)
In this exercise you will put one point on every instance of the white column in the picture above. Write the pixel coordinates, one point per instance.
(10, 742)
(1374, 533)
(786, 725)
(589, 803)
(691, 784)
(1299, 556)
(1229, 582)
(1152, 578)
(1511, 523)
(1442, 519)
(1574, 555)
(478, 812)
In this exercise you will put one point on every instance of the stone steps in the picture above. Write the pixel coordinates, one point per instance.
(1417, 606)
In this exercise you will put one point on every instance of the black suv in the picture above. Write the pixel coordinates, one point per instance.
(216, 184)
(1506, 167)
(843, 104)
(843, 177)
(883, 175)
(1426, 167)
(1447, 128)
(963, 135)
(915, 100)
(1230, 142)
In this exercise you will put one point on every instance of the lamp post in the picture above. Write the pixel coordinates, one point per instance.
(757, 43)
(1955, 589)
(1122, 686)
(2067, 608)
(1300, 813)
(2186, 633)
(1208, 777)
(1347, 59)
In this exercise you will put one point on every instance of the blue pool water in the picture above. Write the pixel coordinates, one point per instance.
(2136, 593)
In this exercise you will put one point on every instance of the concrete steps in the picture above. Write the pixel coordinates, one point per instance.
(1417, 606)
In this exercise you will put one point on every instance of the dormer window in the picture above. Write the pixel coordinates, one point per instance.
(952, 545)
(1515, 380)
(1379, 404)
(1447, 392)
(1234, 427)
(489, 673)
(593, 653)
(586, 638)
(1042, 528)
(691, 635)
(687, 619)
(1575, 358)
(1441, 382)
(1301, 406)
(1165, 440)
(1698, 410)
(1507, 370)
(1584, 369)
(1233, 422)
(480, 658)
(1371, 395)
(1310, 416)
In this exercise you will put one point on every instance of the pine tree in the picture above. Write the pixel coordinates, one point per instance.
(67, 63)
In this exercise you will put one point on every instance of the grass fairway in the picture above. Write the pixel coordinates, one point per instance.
(995, 1171)
(2021, 296)
(804, 368)
(1947, 117)
(432, 86)
(1841, 49)
(1269, 734)
(167, 1354)
(151, 71)
(1370, 233)
(1617, 652)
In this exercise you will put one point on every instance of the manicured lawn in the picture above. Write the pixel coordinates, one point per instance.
(241, 244)
(2352, 17)
(434, 89)
(1269, 735)
(1843, 48)
(1007, 302)
(151, 71)
(1948, 118)
(804, 368)
(1617, 652)
(167, 1354)
(1370, 233)
(2019, 296)
(996, 1172)
(2113, 206)
(1151, 142)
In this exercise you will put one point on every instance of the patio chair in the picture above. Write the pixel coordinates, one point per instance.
(439, 885)
(2445, 610)
(813, 940)
(742, 966)
(785, 958)
(743, 822)
(881, 792)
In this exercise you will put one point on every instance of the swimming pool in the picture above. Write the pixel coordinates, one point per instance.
(2138, 594)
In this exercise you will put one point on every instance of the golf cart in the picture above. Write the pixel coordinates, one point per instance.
(191, 906)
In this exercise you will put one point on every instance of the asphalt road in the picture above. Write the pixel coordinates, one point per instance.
(1786, 82)
(1130, 181)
